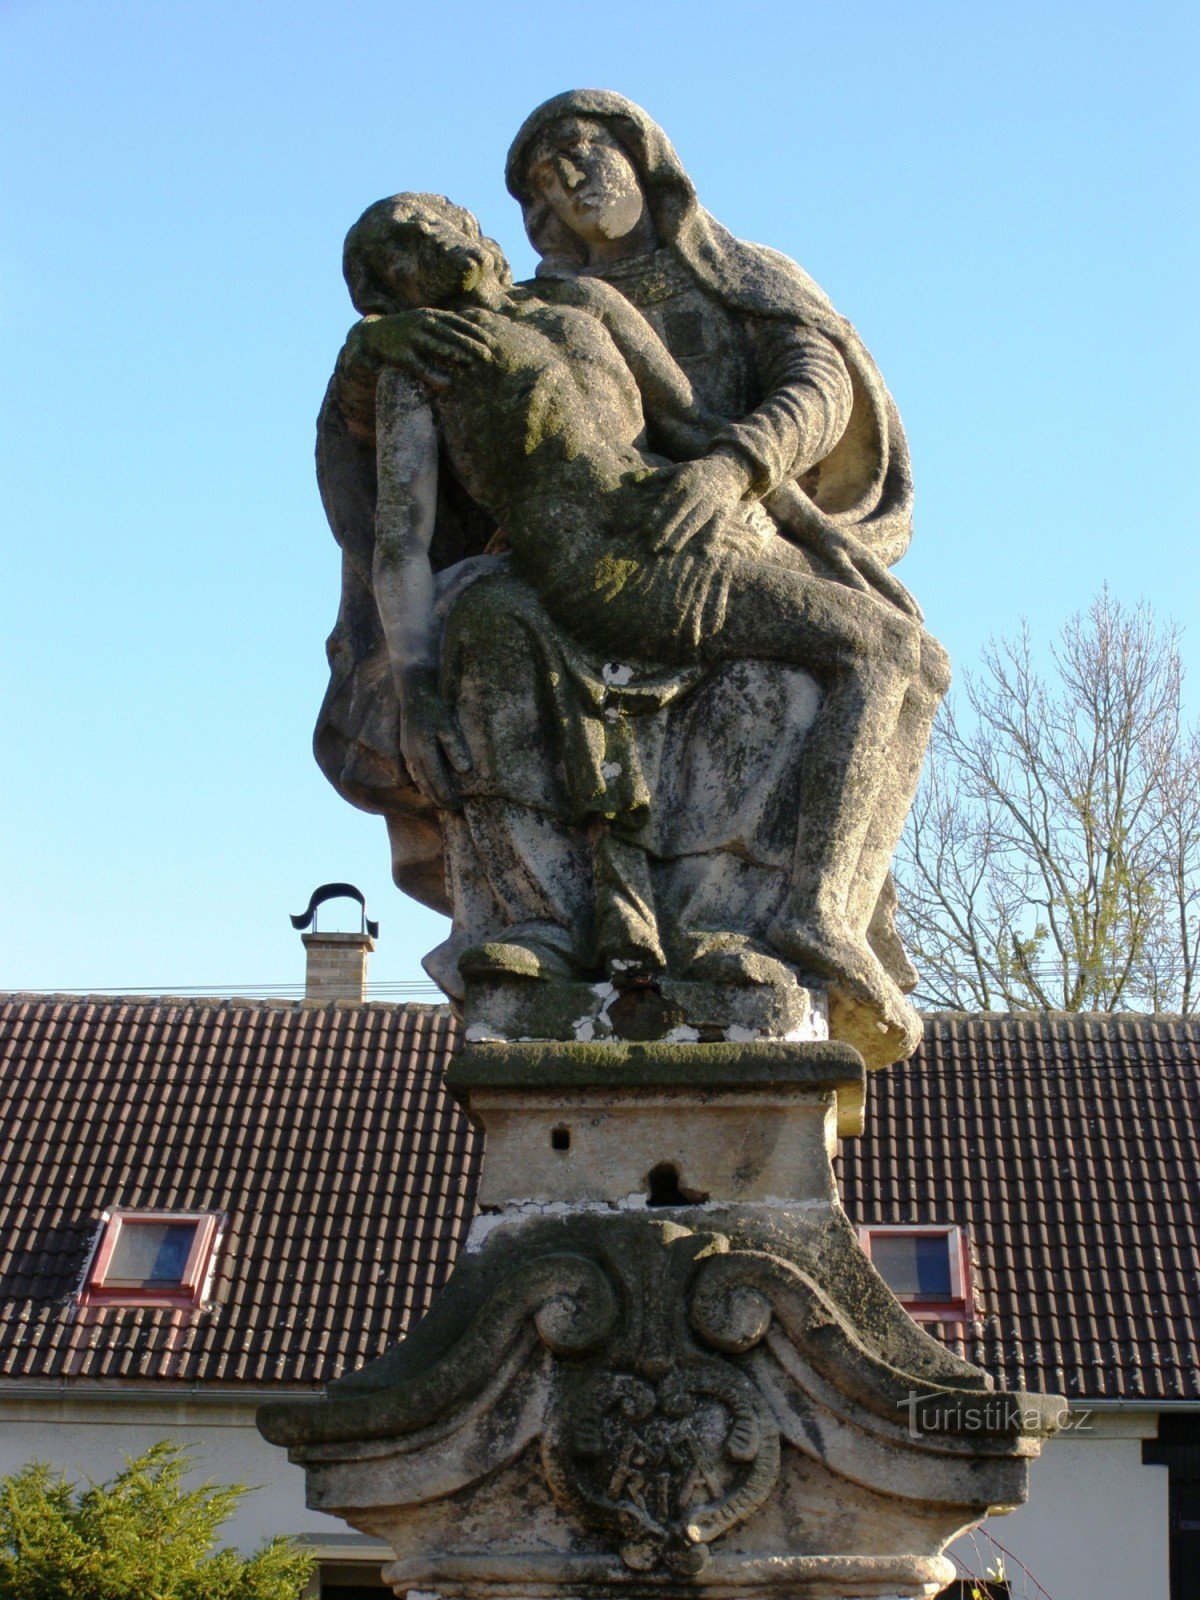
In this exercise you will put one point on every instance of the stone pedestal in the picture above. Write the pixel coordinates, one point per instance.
(663, 1365)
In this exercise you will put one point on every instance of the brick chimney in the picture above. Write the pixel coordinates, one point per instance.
(337, 962)
(337, 965)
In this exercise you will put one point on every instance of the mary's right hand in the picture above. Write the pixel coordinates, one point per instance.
(428, 343)
(691, 497)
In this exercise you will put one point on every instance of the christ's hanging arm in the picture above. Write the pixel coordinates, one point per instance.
(405, 518)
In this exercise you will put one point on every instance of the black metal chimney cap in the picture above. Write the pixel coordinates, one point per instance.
(335, 891)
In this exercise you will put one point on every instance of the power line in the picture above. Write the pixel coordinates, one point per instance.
(274, 991)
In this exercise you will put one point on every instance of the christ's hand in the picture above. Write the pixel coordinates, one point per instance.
(433, 748)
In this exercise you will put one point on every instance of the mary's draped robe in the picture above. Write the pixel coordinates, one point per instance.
(617, 789)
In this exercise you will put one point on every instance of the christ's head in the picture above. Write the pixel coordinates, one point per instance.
(418, 250)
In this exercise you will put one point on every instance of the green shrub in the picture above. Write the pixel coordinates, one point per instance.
(140, 1536)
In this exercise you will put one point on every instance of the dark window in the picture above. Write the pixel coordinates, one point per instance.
(150, 1253)
(352, 1580)
(915, 1266)
(1178, 1449)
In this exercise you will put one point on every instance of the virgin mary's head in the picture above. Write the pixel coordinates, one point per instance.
(597, 180)
(585, 193)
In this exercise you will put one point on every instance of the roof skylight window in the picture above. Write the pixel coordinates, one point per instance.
(925, 1265)
(149, 1258)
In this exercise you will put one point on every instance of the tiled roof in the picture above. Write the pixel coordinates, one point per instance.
(1067, 1146)
(323, 1133)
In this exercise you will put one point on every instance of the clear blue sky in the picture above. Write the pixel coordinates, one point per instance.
(1003, 199)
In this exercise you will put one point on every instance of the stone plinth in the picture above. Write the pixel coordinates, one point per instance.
(663, 1365)
(667, 1010)
(630, 1126)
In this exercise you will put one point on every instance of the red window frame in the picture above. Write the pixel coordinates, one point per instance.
(187, 1292)
(960, 1306)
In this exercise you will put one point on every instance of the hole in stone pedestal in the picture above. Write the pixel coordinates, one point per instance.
(560, 1138)
(664, 1189)
(641, 1012)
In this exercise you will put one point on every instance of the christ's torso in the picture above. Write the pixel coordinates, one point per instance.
(556, 414)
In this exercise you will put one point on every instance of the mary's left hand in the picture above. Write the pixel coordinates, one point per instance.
(699, 493)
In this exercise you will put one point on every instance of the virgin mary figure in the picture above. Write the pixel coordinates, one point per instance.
(619, 814)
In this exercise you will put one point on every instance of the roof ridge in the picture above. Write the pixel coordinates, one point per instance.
(1086, 1018)
(302, 1003)
(241, 1002)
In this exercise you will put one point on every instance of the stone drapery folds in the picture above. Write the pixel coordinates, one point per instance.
(659, 718)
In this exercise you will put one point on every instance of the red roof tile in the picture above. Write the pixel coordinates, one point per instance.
(1067, 1146)
(323, 1133)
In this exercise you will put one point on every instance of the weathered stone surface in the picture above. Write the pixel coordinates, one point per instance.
(668, 1008)
(639, 1400)
(537, 1064)
(621, 661)
(660, 1392)
(626, 1133)
(668, 722)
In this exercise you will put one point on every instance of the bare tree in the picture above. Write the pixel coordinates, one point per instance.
(1052, 859)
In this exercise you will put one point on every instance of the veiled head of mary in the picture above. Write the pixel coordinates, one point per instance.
(633, 173)
(597, 179)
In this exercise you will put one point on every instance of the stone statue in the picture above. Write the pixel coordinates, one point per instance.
(736, 726)
(621, 661)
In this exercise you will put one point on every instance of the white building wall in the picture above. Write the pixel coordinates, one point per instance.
(90, 1438)
(1094, 1528)
(1095, 1524)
